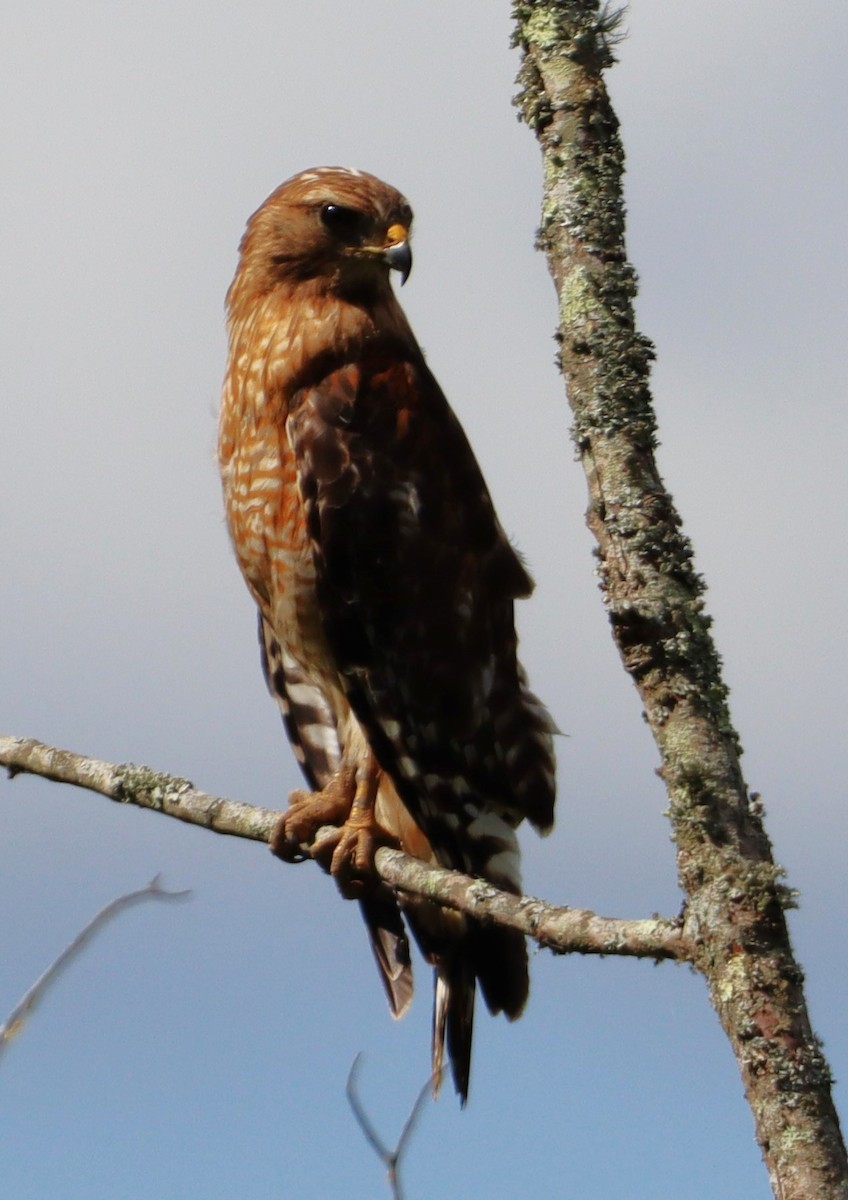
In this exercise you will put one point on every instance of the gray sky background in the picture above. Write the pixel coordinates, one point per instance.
(202, 1050)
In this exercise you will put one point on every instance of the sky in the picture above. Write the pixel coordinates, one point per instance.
(201, 1050)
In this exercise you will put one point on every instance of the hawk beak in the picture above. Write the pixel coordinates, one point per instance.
(396, 252)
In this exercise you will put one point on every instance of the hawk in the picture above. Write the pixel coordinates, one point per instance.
(385, 587)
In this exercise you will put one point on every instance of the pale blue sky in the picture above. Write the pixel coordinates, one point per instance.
(202, 1050)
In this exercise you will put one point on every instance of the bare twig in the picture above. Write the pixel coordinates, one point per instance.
(564, 930)
(17, 1017)
(390, 1158)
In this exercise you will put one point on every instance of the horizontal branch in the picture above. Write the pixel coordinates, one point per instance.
(129, 784)
(563, 930)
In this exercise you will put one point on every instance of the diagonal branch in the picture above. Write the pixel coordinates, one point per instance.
(654, 599)
(563, 930)
(13, 1024)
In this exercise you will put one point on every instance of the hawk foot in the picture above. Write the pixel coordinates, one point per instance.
(306, 813)
(347, 850)
(348, 854)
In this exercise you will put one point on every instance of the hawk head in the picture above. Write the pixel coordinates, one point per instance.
(336, 228)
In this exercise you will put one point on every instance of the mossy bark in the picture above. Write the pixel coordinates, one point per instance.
(654, 597)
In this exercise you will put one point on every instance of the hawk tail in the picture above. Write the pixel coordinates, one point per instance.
(500, 964)
(390, 946)
(453, 1022)
(498, 959)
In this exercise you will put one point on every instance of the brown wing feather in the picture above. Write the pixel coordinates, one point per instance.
(416, 583)
(312, 732)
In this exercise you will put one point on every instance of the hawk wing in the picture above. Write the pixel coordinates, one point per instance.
(311, 729)
(416, 583)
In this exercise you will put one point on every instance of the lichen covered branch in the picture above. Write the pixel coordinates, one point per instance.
(129, 784)
(563, 930)
(654, 599)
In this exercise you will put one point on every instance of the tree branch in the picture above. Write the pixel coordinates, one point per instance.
(129, 784)
(654, 599)
(390, 1159)
(563, 930)
(16, 1019)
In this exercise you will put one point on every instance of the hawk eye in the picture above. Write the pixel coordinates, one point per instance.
(343, 222)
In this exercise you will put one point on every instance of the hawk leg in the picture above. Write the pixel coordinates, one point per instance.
(347, 803)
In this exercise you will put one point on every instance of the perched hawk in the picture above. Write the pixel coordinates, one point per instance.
(385, 588)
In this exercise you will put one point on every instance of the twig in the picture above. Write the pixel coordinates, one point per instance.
(17, 1017)
(390, 1158)
(564, 930)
